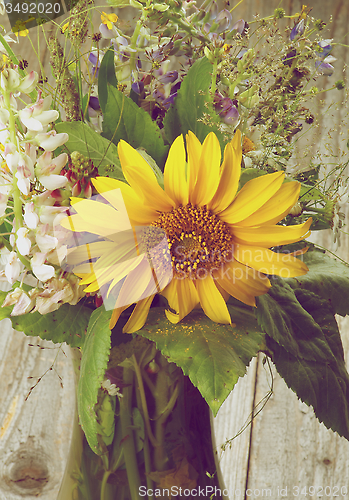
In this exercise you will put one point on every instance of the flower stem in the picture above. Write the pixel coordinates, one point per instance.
(214, 77)
(143, 401)
(17, 203)
(127, 435)
(133, 43)
(104, 483)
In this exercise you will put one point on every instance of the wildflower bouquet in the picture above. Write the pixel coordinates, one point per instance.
(154, 216)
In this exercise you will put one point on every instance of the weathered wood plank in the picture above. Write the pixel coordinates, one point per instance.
(232, 417)
(35, 431)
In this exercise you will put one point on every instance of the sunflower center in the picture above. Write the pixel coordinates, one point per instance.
(198, 240)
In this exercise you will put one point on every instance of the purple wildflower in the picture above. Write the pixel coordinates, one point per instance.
(298, 29)
(226, 109)
(93, 59)
(324, 65)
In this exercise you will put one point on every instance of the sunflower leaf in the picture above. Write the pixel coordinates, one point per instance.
(102, 152)
(323, 384)
(328, 278)
(214, 356)
(106, 74)
(67, 324)
(192, 103)
(283, 318)
(94, 362)
(123, 119)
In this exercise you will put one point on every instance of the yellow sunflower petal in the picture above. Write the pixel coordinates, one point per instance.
(252, 196)
(100, 214)
(139, 284)
(268, 236)
(223, 292)
(142, 179)
(194, 149)
(174, 174)
(77, 224)
(170, 293)
(243, 283)
(139, 315)
(276, 208)
(81, 253)
(268, 262)
(115, 316)
(138, 213)
(212, 301)
(230, 175)
(153, 195)
(209, 171)
(187, 300)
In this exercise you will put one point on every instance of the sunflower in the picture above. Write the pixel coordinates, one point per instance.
(208, 240)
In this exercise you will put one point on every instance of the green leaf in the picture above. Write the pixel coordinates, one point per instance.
(248, 174)
(192, 103)
(323, 384)
(123, 119)
(106, 74)
(309, 193)
(4, 311)
(328, 278)
(214, 356)
(102, 152)
(283, 318)
(67, 324)
(94, 362)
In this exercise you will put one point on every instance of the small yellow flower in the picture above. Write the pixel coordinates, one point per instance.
(65, 27)
(19, 28)
(108, 19)
(247, 145)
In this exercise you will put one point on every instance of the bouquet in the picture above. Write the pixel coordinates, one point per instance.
(155, 217)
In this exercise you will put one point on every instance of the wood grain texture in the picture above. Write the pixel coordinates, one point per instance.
(35, 430)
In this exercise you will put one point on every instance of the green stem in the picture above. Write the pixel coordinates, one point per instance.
(143, 401)
(127, 436)
(104, 483)
(214, 77)
(17, 203)
(133, 43)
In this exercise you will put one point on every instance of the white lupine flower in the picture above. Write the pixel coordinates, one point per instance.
(28, 83)
(42, 271)
(12, 268)
(56, 292)
(4, 116)
(47, 170)
(52, 215)
(11, 156)
(45, 241)
(111, 389)
(4, 133)
(7, 38)
(16, 161)
(31, 218)
(23, 183)
(49, 141)
(53, 181)
(39, 115)
(3, 203)
(23, 303)
(23, 242)
(9, 80)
